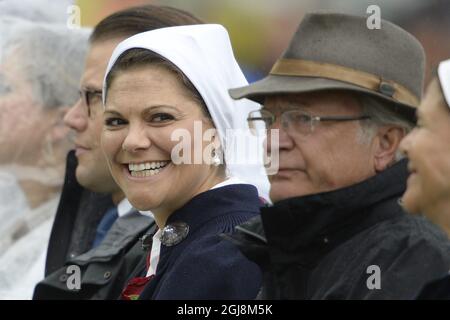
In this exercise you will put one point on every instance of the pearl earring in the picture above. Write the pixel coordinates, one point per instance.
(215, 158)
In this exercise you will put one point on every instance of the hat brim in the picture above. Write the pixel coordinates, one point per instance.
(274, 85)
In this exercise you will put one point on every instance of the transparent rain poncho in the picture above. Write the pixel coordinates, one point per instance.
(40, 69)
(49, 11)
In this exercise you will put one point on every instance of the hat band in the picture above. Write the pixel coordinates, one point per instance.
(305, 68)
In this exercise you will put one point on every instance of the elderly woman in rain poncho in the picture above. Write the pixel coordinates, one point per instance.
(40, 67)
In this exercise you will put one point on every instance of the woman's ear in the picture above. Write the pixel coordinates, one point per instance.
(387, 142)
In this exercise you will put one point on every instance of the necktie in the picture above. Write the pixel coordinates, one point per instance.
(105, 224)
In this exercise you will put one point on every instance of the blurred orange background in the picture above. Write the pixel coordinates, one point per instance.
(261, 29)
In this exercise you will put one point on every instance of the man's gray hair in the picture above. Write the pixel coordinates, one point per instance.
(51, 58)
(381, 114)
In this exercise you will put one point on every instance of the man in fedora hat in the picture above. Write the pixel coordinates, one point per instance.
(342, 97)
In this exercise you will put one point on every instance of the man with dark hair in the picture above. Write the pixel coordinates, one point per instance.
(95, 227)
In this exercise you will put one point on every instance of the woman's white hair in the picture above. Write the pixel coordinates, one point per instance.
(381, 114)
(49, 11)
(51, 57)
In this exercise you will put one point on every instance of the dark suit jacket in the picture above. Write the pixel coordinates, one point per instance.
(78, 214)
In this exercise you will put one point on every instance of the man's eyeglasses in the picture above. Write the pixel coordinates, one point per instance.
(297, 120)
(89, 97)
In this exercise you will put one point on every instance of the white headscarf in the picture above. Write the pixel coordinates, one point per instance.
(444, 79)
(204, 54)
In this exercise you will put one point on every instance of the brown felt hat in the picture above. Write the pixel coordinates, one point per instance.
(332, 51)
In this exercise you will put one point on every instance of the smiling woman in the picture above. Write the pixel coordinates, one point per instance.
(145, 105)
(158, 83)
(428, 151)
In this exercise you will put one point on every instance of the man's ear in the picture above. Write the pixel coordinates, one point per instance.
(387, 141)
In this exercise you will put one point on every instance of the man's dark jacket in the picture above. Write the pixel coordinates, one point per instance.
(436, 290)
(104, 270)
(352, 243)
(77, 217)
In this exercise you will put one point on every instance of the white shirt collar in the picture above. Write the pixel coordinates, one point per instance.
(124, 208)
(154, 253)
(147, 214)
(227, 182)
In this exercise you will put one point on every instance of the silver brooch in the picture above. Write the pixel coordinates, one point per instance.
(174, 233)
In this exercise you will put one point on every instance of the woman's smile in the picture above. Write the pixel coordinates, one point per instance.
(145, 171)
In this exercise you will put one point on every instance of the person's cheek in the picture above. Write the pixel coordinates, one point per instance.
(106, 145)
(420, 191)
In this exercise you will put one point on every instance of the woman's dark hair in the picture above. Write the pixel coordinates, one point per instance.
(131, 21)
(139, 57)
